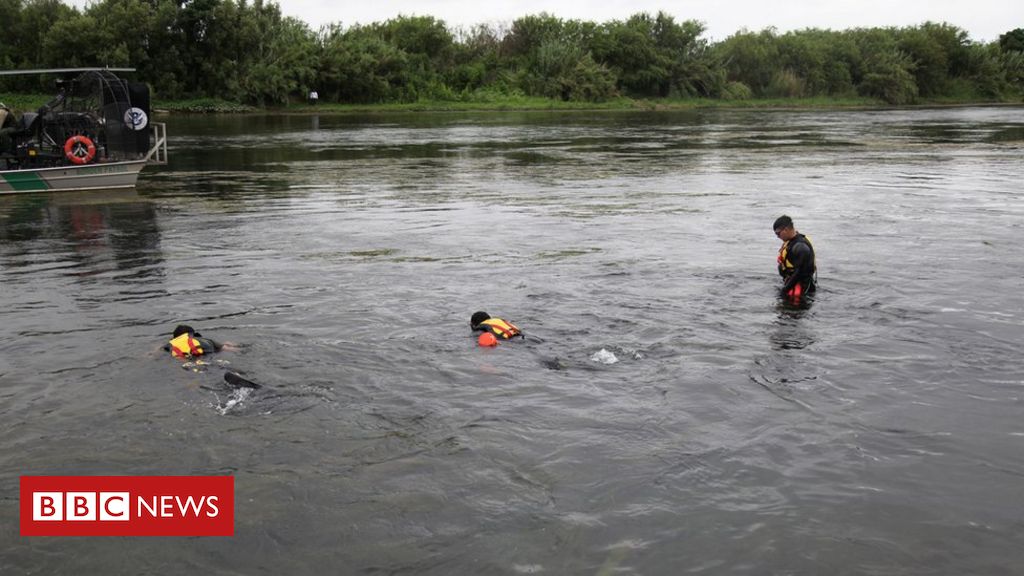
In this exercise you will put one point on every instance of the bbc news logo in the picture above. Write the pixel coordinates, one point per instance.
(127, 505)
(116, 506)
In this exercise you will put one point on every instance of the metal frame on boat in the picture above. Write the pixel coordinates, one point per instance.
(94, 134)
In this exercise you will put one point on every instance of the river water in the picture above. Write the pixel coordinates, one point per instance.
(671, 415)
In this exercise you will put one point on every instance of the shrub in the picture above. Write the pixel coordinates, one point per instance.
(786, 84)
(737, 91)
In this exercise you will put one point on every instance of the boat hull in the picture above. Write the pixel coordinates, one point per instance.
(66, 178)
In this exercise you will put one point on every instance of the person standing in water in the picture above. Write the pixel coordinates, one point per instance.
(796, 260)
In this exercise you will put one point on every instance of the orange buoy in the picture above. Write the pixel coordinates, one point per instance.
(487, 339)
(79, 149)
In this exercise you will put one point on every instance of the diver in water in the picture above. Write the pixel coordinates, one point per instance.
(796, 261)
(187, 344)
(494, 329)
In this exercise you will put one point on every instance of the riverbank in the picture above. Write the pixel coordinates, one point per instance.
(216, 106)
(540, 104)
(547, 104)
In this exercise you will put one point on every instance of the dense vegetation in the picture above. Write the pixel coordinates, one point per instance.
(247, 52)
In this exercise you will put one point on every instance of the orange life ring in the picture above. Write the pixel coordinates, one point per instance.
(79, 149)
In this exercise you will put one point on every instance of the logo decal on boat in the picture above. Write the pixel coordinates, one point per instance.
(136, 118)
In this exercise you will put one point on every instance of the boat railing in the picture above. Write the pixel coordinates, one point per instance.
(158, 153)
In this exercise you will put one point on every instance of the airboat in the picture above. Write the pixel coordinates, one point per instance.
(95, 134)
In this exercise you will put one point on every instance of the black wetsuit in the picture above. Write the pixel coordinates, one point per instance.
(800, 254)
(208, 346)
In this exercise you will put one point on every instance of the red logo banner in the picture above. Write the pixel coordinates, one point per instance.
(127, 505)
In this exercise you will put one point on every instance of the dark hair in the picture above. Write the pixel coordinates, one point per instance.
(183, 329)
(782, 222)
(477, 318)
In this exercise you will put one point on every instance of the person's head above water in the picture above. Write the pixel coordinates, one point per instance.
(783, 227)
(483, 322)
(184, 329)
(782, 222)
(477, 318)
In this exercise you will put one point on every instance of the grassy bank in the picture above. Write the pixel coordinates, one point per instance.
(526, 103)
(22, 102)
(202, 106)
(514, 103)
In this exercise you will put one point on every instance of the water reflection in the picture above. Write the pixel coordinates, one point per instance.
(101, 228)
(790, 330)
(1008, 134)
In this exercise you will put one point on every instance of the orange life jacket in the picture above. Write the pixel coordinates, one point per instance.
(185, 346)
(785, 266)
(500, 328)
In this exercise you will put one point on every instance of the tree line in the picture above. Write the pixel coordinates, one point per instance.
(248, 52)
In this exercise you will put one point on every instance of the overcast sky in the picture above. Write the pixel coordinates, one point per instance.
(984, 20)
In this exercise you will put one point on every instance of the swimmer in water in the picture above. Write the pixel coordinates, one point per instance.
(187, 344)
(492, 330)
(500, 329)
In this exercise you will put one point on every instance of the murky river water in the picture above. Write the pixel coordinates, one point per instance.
(880, 431)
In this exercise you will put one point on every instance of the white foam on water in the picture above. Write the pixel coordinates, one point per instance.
(236, 397)
(604, 357)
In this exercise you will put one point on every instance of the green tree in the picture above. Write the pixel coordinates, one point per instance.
(205, 63)
(358, 66)
(629, 49)
(9, 54)
(988, 75)
(1012, 65)
(751, 58)
(550, 57)
(816, 63)
(939, 53)
(690, 62)
(429, 50)
(588, 81)
(282, 64)
(530, 32)
(420, 35)
(1012, 41)
(843, 60)
(889, 76)
(657, 56)
(245, 50)
(167, 68)
(27, 24)
(78, 41)
(564, 71)
(476, 61)
(125, 26)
